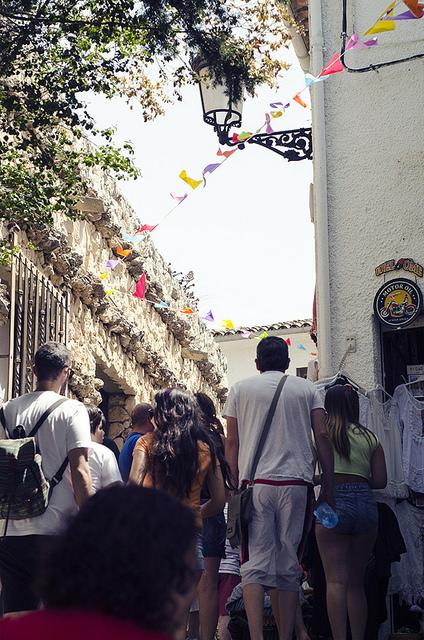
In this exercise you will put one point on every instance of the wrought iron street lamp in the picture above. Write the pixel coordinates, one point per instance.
(223, 112)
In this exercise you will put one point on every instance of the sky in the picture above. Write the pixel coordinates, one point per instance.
(247, 235)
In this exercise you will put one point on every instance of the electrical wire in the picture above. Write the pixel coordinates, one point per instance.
(370, 67)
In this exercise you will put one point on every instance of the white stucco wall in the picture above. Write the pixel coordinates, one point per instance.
(241, 352)
(375, 160)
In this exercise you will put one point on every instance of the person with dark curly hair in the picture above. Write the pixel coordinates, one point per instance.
(214, 528)
(179, 456)
(124, 568)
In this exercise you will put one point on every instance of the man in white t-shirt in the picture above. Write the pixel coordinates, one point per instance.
(283, 478)
(102, 461)
(64, 434)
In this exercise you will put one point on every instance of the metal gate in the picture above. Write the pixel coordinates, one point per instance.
(39, 313)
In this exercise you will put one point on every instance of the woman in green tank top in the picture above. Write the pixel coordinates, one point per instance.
(359, 467)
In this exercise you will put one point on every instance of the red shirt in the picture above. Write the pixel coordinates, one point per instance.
(70, 625)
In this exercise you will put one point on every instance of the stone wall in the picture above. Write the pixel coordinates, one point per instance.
(138, 348)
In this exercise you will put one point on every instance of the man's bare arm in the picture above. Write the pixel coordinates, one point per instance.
(325, 455)
(80, 474)
(232, 449)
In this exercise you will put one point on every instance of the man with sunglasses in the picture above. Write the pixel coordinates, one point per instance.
(141, 422)
(63, 436)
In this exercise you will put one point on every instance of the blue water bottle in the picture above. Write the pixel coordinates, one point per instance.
(326, 516)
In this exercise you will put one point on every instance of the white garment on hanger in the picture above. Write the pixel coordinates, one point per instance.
(411, 420)
(411, 524)
(383, 420)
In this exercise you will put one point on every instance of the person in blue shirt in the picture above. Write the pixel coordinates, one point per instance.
(141, 422)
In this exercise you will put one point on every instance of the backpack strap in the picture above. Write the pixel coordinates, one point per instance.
(58, 476)
(45, 415)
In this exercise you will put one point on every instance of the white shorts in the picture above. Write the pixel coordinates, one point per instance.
(275, 534)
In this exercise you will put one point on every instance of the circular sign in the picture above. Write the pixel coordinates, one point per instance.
(398, 302)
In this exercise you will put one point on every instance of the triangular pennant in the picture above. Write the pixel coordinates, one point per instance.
(334, 66)
(246, 334)
(133, 239)
(268, 129)
(179, 199)
(103, 276)
(190, 181)
(146, 227)
(210, 168)
(262, 335)
(140, 287)
(123, 252)
(355, 43)
(109, 292)
(381, 27)
(111, 264)
(288, 342)
(276, 114)
(415, 8)
(226, 154)
(299, 100)
(301, 347)
(161, 305)
(228, 324)
(187, 310)
(208, 317)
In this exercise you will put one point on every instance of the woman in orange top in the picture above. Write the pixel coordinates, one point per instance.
(179, 456)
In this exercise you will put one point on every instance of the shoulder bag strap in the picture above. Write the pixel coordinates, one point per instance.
(267, 426)
(45, 415)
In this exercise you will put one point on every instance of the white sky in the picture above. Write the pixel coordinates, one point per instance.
(247, 236)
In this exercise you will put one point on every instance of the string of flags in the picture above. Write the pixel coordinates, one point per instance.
(386, 22)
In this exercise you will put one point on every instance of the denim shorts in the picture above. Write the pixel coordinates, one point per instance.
(200, 565)
(214, 534)
(356, 508)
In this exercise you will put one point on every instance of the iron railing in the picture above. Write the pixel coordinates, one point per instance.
(39, 313)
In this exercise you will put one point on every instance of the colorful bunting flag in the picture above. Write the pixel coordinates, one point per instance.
(372, 43)
(111, 264)
(314, 353)
(275, 105)
(190, 181)
(179, 199)
(146, 227)
(161, 305)
(288, 342)
(133, 239)
(187, 310)
(109, 292)
(241, 137)
(301, 347)
(102, 276)
(210, 168)
(226, 154)
(246, 334)
(276, 114)
(123, 252)
(209, 317)
(334, 66)
(299, 100)
(262, 335)
(140, 287)
(228, 324)
(381, 27)
(415, 8)
(268, 129)
(355, 43)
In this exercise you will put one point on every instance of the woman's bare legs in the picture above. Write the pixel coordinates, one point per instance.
(334, 549)
(360, 553)
(208, 598)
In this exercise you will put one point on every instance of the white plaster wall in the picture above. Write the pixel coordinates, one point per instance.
(375, 161)
(241, 353)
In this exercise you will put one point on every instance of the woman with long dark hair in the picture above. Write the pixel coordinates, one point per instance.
(179, 456)
(214, 528)
(359, 467)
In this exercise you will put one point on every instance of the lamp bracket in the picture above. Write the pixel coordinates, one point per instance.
(298, 143)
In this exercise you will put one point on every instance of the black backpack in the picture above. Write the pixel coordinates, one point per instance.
(24, 490)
